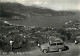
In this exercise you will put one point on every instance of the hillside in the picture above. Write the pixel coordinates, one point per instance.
(11, 15)
(30, 11)
(37, 16)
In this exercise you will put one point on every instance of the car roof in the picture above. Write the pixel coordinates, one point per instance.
(57, 42)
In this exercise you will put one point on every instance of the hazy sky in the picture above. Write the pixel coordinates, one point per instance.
(53, 4)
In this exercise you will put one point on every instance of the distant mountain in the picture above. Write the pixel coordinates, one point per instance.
(29, 11)
(10, 14)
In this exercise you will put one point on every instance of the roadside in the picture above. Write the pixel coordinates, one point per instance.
(74, 50)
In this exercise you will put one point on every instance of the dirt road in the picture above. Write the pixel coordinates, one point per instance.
(74, 50)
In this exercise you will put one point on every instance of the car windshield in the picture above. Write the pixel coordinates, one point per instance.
(59, 43)
(53, 44)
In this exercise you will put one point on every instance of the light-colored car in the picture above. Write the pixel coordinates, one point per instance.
(53, 46)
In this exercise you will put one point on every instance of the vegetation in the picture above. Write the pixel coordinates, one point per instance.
(27, 35)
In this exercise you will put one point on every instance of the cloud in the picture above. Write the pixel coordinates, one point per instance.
(38, 3)
(27, 2)
(7, 0)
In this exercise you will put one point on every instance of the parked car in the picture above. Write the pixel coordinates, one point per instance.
(53, 46)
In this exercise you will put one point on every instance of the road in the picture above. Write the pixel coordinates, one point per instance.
(74, 50)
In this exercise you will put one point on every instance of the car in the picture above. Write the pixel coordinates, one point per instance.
(53, 46)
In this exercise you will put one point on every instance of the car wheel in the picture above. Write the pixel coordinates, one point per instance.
(45, 51)
(60, 50)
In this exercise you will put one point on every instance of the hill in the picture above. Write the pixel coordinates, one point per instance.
(11, 15)
(30, 11)
(37, 16)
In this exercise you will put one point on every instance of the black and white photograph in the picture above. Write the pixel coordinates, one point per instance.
(39, 27)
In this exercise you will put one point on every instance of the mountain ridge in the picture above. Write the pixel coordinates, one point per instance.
(30, 11)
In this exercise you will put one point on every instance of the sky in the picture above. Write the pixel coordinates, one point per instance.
(52, 4)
